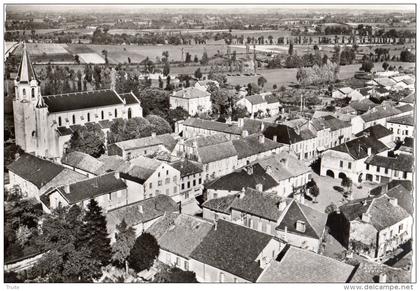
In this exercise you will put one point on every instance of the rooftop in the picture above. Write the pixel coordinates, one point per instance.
(379, 112)
(377, 131)
(403, 120)
(401, 162)
(83, 162)
(253, 145)
(190, 93)
(166, 140)
(187, 167)
(330, 122)
(213, 125)
(358, 148)
(221, 204)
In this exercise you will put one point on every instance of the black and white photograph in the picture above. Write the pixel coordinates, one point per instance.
(209, 143)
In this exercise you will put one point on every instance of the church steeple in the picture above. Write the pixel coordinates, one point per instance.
(26, 72)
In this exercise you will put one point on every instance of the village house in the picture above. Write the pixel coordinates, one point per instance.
(299, 265)
(192, 178)
(150, 177)
(348, 159)
(401, 127)
(372, 226)
(141, 214)
(380, 133)
(193, 127)
(34, 175)
(384, 82)
(43, 123)
(330, 131)
(178, 236)
(204, 85)
(382, 169)
(84, 164)
(265, 104)
(144, 146)
(362, 106)
(108, 190)
(342, 93)
(215, 152)
(226, 254)
(191, 99)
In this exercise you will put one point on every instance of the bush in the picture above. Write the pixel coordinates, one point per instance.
(144, 252)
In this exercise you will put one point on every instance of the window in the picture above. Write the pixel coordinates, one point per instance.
(377, 177)
(194, 183)
(186, 265)
(199, 181)
(182, 186)
(129, 113)
(159, 175)
(221, 277)
(341, 164)
(235, 280)
(386, 170)
(88, 117)
(263, 227)
(73, 119)
(175, 189)
(349, 165)
(300, 226)
(187, 195)
(167, 172)
(405, 175)
(378, 169)
(400, 228)
(167, 192)
(188, 184)
(109, 196)
(367, 166)
(59, 121)
(150, 185)
(116, 113)
(160, 183)
(398, 131)
(157, 192)
(102, 114)
(396, 173)
(33, 92)
(24, 92)
(174, 179)
(167, 180)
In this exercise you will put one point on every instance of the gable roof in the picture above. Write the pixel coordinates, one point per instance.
(401, 162)
(330, 122)
(167, 140)
(377, 131)
(404, 120)
(251, 145)
(139, 169)
(213, 125)
(187, 167)
(253, 125)
(405, 108)
(216, 152)
(35, 170)
(221, 204)
(383, 214)
(285, 134)
(379, 112)
(368, 272)
(228, 247)
(314, 220)
(82, 161)
(190, 93)
(260, 204)
(358, 148)
(255, 99)
(129, 98)
(203, 141)
(404, 196)
(302, 266)
(183, 235)
(237, 180)
(385, 81)
(91, 188)
(409, 99)
(362, 105)
(141, 211)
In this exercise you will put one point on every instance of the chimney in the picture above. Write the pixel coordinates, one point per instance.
(242, 193)
(215, 224)
(284, 162)
(17, 155)
(365, 217)
(249, 170)
(282, 205)
(369, 151)
(240, 122)
(261, 138)
(393, 201)
(244, 133)
(262, 126)
(140, 208)
(67, 188)
(275, 138)
(382, 278)
(117, 175)
(268, 170)
(259, 187)
(195, 144)
(153, 134)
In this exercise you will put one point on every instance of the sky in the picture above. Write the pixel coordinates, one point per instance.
(217, 8)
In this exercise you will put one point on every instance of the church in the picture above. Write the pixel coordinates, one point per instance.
(44, 124)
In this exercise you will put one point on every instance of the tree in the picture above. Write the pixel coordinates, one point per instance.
(204, 59)
(347, 182)
(385, 66)
(253, 89)
(407, 56)
(198, 74)
(124, 242)
(290, 49)
(220, 100)
(367, 65)
(261, 81)
(88, 139)
(176, 114)
(93, 233)
(314, 191)
(166, 69)
(77, 59)
(175, 275)
(144, 252)
(331, 208)
(158, 124)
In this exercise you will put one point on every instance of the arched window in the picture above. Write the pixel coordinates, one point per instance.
(33, 92)
(59, 121)
(74, 119)
(129, 113)
(102, 114)
(88, 116)
(116, 113)
(24, 92)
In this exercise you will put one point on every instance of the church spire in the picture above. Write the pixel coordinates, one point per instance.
(26, 71)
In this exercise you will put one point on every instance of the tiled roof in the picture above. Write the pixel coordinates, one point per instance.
(111, 163)
(139, 169)
(402, 162)
(184, 235)
(254, 125)
(251, 145)
(161, 225)
(242, 179)
(383, 214)
(234, 249)
(385, 81)
(377, 131)
(302, 266)
(409, 99)
(329, 121)
(63, 130)
(379, 112)
(260, 204)
(203, 141)
(314, 220)
(213, 125)
(141, 211)
(271, 99)
(355, 208)
(345, 90)
(82, 161)
(405, 108)
(368, 272)
(216, 152)
(35, 170)
(404, 120)
(255, 99)
(362, 105)
(187, 168)
(221, 204)
(404, 196)
(92, 188)
(129, 98)
(166, 140)
(285, 134)
(81, 100)
(190, 93)
(358, 148)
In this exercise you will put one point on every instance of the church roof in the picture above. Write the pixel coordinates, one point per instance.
(26, 71)
(82, 100)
